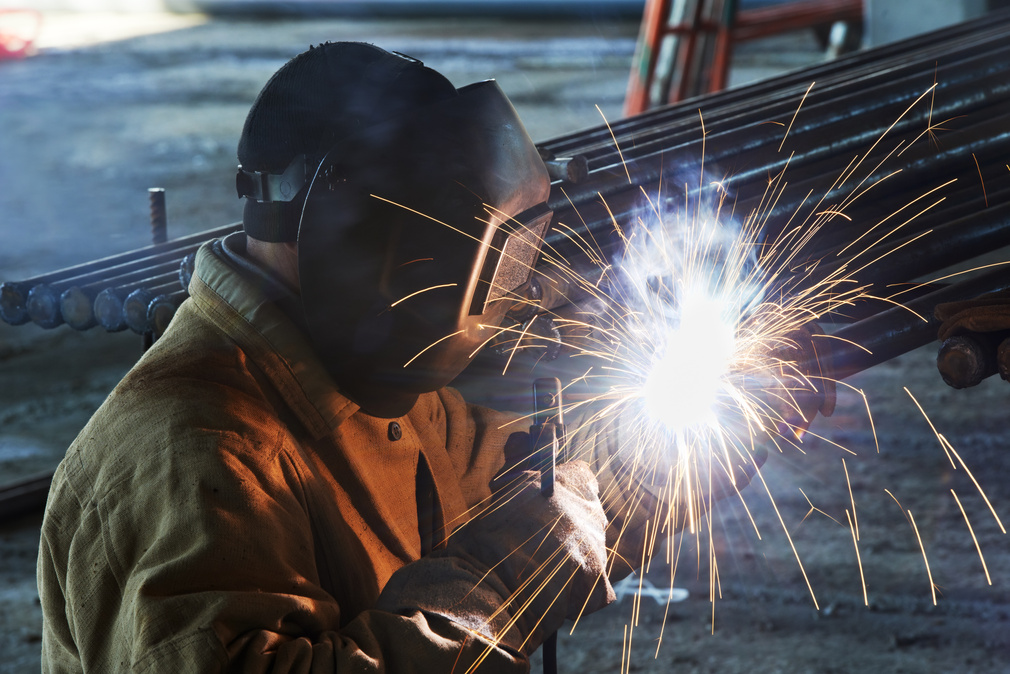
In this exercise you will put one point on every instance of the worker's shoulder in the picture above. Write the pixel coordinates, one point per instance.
(194, 398)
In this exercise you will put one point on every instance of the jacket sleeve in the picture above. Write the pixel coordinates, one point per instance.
(204, 561)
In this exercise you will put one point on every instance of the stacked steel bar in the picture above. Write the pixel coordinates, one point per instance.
(97, 293)
(853, 102)
(900, 121)
(949, 84)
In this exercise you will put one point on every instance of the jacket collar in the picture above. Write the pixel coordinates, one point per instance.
(245, 303)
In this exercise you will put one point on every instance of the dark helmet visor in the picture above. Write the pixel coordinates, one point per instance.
(415, 231)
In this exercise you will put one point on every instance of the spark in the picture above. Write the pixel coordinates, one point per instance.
(616, 145)
(981, 179)
(415, 294)
(436, 342)
(700, 343)
(795, 115)
(931, 427)
(925, 558)
(977, 485)
(626, 650)
(951, 455)
(852, 500)
(973, 537)
(814, 509)
(792, 545)
(859, 560)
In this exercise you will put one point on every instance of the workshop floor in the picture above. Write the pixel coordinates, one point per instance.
(115, 104)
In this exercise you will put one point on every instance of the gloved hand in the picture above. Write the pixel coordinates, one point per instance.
(975, 340)
(806, 384)
(987, 313)
(518, 570)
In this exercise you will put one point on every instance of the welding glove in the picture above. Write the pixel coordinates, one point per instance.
(986, 313)
(806, 381)
(976, 339)
(518, 570)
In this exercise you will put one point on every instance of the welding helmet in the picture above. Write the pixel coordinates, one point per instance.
(422, 215)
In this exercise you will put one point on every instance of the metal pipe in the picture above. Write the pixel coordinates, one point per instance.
(186, 268)
(980, 230)
(14, 295)
(849, 131)
(43, 306)
(985, 141)
(77, 301)
(77, 307)
(108, 308)
(161, 310)
(965, 360)
(921, 51)
(13, 299)
(136, 304)
(899, 330)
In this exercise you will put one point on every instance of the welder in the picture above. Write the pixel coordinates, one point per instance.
(284, 482)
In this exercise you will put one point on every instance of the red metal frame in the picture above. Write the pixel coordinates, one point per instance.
(726, 26)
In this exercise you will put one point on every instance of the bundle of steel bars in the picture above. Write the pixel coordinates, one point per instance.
(858, 145)
(139, 289)
(897, 153)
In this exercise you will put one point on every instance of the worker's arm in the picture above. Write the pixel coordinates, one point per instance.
(205, 561)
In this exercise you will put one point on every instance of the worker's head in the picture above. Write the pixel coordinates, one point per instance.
(416, 208)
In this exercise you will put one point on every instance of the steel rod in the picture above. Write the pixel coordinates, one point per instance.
(135, 307)
(899, 330)
(161, 310)
(790, 86)
(14, 294)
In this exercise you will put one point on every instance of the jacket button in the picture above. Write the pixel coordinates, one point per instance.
(395, 432)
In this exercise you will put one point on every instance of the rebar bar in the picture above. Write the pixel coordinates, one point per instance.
(14, 294)
(901, 329)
